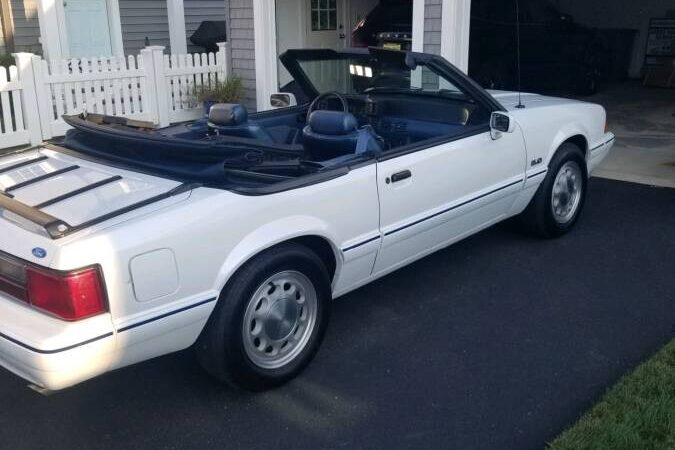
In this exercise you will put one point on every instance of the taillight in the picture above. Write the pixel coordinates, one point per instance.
(70, 296)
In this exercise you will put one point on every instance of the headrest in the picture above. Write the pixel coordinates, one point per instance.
(228, 114)
(333, 123)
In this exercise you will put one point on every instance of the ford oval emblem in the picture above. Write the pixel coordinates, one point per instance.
(39, 252)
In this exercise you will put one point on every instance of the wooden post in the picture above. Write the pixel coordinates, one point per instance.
(417, 38)
(155, 86)
(177, 35)
(222, 58)
(29, 101)
(7, 25)
(455, 23)
(50, 37)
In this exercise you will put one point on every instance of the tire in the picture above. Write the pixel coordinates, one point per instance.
(550, 215)
(261, 307)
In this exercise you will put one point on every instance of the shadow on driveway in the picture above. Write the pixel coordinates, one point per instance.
(498, 342)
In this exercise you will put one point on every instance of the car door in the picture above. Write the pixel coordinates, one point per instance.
(433, 196)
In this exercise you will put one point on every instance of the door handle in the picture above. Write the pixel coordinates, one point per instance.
(399, 176)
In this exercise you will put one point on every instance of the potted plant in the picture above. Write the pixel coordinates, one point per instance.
(230, 90)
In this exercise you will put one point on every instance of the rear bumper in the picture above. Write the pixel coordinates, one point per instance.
(51, 353)
(599, 151)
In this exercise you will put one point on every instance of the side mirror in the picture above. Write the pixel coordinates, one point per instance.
(282, 100)
(501, 122)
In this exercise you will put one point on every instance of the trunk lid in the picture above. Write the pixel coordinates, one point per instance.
(43, 183)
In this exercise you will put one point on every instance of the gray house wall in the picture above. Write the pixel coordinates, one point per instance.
(141, 19)
(3, 50)
(242, 47)
(26, 26)
(196, 11)
(432, 26)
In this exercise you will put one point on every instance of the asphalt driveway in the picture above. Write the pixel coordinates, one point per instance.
(498, 342)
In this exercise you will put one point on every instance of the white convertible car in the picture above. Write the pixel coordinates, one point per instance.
(232, 234)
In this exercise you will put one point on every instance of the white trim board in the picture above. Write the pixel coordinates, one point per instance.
(455, 27)
(265, 35)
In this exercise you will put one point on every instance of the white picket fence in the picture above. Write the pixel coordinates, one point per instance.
(151, 86)
(12, 128)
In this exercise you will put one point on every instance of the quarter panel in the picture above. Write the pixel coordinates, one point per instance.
(211, 235)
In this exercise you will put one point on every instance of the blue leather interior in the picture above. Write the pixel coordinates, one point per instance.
(330, 134)
(335, 123)
(231, 119)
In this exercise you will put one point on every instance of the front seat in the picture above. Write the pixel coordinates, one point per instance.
(231, 119)
(331, 134)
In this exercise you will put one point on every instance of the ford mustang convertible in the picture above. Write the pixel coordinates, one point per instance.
(232, 234)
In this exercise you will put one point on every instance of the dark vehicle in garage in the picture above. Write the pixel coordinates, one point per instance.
(556, 54)
(389, 21)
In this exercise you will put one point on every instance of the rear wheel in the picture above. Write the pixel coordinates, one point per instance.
(555, 208)
(270, 319)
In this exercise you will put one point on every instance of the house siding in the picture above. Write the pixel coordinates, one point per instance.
(197, 11)
(141, 19)
(26, 26)
(242, 47)
(3, 49)
(432, 26)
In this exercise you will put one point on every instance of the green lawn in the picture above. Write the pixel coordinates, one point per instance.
(638, 413)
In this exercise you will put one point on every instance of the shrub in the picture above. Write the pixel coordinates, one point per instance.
(6, 60)
(229, 91)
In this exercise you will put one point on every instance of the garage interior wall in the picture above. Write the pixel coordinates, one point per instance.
(633, 14)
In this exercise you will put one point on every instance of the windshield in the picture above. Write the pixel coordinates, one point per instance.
(358, 75)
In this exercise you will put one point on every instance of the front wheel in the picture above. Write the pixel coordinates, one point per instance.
(269, 321)
(557, 204)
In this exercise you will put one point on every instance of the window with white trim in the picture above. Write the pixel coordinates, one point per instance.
(324, 15)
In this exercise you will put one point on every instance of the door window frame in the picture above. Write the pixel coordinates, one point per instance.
(317, 6)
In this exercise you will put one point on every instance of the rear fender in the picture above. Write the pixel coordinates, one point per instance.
(274, 233)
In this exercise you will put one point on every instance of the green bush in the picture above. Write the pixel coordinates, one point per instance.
(6, 60)
(229, 91)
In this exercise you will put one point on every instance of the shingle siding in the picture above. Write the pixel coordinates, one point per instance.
(197, 11)
(242, 47)
(141, 19)
(3, 50)
(26, 26)
(432, 26)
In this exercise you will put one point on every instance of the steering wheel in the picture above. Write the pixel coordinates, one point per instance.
(315, 103)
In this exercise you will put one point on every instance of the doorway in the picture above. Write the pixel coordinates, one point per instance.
(87, 28)
(316, 24)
